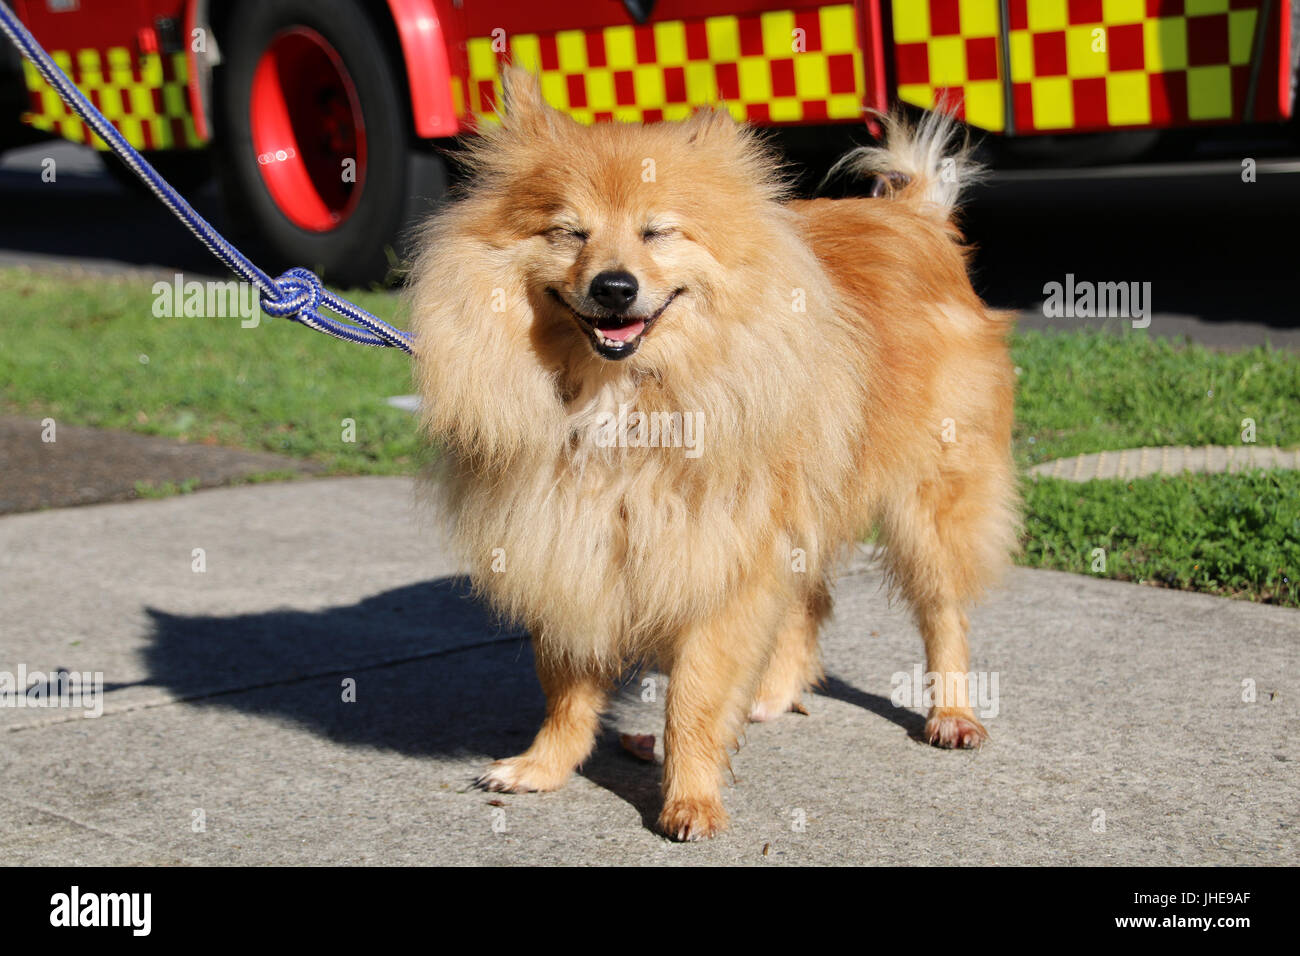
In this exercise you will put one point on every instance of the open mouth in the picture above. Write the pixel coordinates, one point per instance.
(615, 336)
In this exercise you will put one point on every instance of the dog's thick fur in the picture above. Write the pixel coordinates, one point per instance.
(847, 374)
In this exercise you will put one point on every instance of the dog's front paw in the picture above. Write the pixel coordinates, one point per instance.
(521, 774)
(699, 819)
(955, 728)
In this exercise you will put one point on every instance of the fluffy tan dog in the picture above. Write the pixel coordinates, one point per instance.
(671, 401)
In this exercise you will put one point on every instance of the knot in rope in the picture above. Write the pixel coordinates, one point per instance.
(298, 291)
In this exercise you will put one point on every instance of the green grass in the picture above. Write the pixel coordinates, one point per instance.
(1234, 535)
(91, 352)
(1087, 391)
(165, 489)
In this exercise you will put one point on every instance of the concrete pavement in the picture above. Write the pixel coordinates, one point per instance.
(1168, 460)
(1121, 735)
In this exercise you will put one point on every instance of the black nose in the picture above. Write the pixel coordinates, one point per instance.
(615, 291)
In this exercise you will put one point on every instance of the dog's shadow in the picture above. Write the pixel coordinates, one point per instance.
(423, 670)
(909, 720)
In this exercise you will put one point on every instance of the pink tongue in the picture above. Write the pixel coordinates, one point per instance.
(625, 332)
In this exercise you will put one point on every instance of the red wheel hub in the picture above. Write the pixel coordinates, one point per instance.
(307, 124)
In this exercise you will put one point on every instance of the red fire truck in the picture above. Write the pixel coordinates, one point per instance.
(323, 117)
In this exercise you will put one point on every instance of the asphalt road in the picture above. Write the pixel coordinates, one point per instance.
(1221, 254)
(85, 219)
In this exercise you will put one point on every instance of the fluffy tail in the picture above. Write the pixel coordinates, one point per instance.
(928, 163)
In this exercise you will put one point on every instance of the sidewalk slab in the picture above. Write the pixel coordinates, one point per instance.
(1118, 703)
(1168, 460)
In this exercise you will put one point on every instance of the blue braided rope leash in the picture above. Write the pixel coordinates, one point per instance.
(297, 295)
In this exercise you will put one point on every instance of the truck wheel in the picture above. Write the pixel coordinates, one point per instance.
(318, 163)
(1295, 59)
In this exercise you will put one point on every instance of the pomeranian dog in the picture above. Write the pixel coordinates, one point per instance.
(671, 401)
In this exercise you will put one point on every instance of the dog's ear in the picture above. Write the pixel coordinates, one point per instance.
(711, 125)
(524, 108)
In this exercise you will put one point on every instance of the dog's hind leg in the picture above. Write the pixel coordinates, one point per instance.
(795, 665)
(945, 540)
(575, 697)
(951, 721)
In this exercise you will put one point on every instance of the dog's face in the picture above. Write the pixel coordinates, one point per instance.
(615, 269)
(615, 273)
(624, 235)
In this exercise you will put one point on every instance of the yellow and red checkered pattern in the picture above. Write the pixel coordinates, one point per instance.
(144, 96)
(948, 54)
(1082, 64)
(790, 66)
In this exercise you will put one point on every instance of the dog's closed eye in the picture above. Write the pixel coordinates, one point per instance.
(567, 234)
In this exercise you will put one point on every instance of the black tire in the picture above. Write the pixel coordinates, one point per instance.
(1295, 58)
(363, 246)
